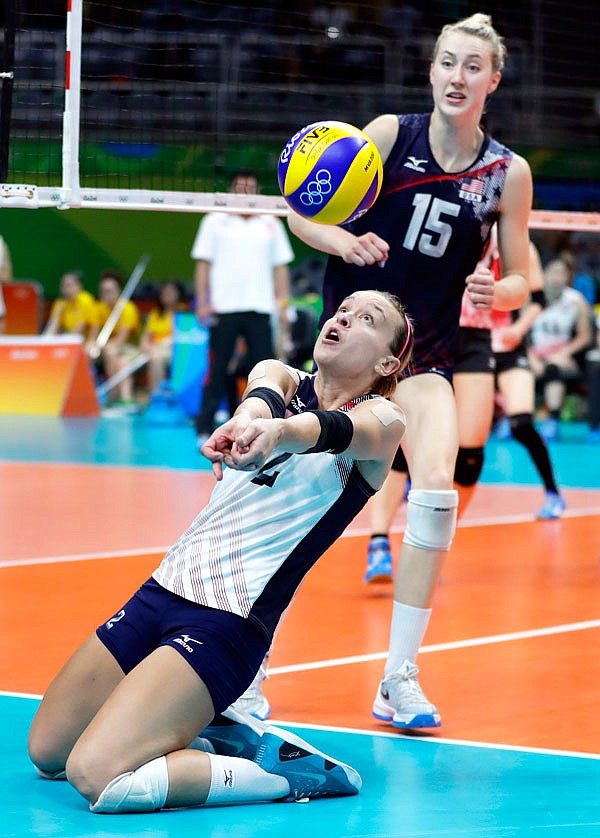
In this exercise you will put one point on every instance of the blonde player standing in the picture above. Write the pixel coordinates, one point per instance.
(445, 183)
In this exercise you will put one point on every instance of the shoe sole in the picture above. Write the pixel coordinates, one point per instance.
(420, 721)
(379, 578)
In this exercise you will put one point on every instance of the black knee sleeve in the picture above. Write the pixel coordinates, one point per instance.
(522, 428)
(552, 373)
(469, 463)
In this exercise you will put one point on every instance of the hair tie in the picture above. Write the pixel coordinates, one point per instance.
(402, 351)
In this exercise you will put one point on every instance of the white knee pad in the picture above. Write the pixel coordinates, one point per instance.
(431, 518)
(142, 790)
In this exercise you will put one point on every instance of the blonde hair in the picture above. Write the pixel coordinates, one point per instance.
(480, 26)
(401, 346)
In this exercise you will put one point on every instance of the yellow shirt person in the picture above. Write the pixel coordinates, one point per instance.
(121, 346)
(157, 339)
(74, 312)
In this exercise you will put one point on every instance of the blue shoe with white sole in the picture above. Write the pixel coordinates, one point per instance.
(309, 772)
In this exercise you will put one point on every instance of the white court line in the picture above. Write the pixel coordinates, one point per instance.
(440, 647)
(432, 740)
(492, 521)
(435, 740)
(86, 557)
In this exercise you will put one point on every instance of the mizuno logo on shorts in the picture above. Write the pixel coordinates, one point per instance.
(185, 641)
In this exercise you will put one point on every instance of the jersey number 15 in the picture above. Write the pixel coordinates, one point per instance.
(426, 219)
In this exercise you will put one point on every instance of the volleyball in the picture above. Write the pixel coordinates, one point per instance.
(330, 172)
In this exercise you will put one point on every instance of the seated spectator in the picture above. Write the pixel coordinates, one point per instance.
(121, 347)
(157, 337)
(593, 384)
(558, 338)
(74, 312)
(6, 271)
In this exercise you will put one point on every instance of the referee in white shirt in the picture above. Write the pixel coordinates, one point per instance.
(242, 281)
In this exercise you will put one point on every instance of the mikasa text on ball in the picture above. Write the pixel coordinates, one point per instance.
(330, 172)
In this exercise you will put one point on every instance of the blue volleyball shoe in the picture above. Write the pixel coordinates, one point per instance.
(379, 561)
(554, 506)
(234, 733)
(309, 772)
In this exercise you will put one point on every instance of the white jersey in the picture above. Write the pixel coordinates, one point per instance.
(555, 325)
(260, 532)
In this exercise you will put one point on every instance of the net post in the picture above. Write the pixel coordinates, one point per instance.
(7, 87)
(70, 190)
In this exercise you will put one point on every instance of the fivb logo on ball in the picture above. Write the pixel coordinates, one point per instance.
(330, 172)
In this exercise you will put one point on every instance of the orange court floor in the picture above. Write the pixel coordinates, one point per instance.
(515, 625)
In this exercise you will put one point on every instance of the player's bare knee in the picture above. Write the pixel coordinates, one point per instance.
(47, 759)
(87, 773)
(439, 478)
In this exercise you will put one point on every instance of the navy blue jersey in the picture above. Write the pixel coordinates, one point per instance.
(437, 225)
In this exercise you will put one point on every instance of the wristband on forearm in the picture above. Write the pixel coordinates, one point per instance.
(336, 432)
(271, 397)
(539, 297)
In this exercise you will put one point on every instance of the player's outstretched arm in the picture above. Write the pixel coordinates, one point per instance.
(370, 434)
(271, 385)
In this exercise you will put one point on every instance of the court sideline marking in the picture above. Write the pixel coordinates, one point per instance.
(493, 521)
(441, 647)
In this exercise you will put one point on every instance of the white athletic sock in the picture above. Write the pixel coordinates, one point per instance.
(406, 635)
(235, 780)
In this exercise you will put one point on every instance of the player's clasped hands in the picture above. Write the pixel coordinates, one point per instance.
(218, 446)
(252, 448)
(241, 443)
(480, 287)
(368, 249)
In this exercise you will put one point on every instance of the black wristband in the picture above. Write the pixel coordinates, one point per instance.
(539, 297)
(336, 432)
(271, 397)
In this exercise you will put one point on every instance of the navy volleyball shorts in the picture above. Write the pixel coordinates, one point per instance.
(224, 649)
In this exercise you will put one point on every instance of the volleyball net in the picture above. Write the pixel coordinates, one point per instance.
(152, 106)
